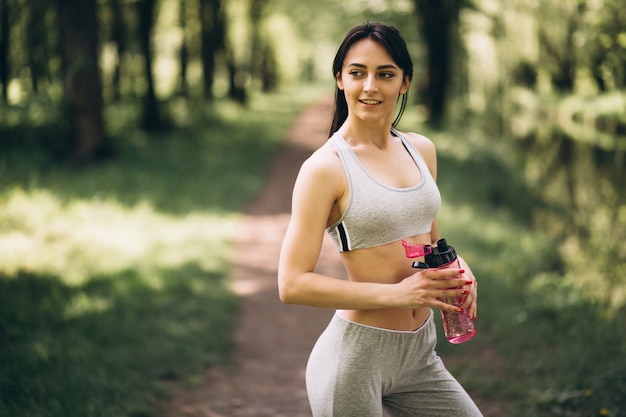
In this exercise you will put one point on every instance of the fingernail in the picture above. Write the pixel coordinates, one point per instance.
(464, 292)
(469, 282)
(461, 271)
(460, 310)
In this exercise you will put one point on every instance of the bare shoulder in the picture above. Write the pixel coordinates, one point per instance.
(323, 169)
(324, 161)
(424, 145)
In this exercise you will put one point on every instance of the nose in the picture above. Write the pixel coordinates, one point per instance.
(370, 84)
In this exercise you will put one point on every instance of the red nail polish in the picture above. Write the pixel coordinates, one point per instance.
(464, 292)
(469, 282)
(461, 271)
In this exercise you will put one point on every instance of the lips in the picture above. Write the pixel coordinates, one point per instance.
(370, 102)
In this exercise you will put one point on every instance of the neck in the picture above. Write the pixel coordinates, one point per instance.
(360, 132)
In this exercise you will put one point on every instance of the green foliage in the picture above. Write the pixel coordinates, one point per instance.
(605, 45)
(549, 343)
(102, 348)
(116, 278)
(154, 223)
(570, 356)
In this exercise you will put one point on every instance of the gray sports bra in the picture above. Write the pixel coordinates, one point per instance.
(377, 214)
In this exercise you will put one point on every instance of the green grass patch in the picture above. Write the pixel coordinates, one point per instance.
(543, 348)
(116, 277)
(103, 348)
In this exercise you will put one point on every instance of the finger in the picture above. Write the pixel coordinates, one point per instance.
(471, 307)
(456, 295)
(445, 274)
(455, 284)
(447, 307)
(471, 311)
(466, 302)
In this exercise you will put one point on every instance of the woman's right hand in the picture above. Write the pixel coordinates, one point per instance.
(426, 289)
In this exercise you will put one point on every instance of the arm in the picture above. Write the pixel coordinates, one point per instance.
(319, 186)
(428, 151)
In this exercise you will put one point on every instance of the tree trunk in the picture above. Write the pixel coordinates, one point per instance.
(118, 35)
(438, 22)
(257, 8)
(213, 22)
(236, 82)
(151, 118)
(562, 51)
(37, 44)
(269, 72)
(4, 48)
(184, 50)
(78, 37)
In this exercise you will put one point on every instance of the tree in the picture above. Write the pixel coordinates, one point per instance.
(151, 117)
(606, 44)
(262, 63)
(557, 43)
(213, 27)
(78, 44)
(119, 38)
(183, 54)
(439, 28)
(5, 32)
(38, 42)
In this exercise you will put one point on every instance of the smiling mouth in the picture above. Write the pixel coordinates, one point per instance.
(371, 102)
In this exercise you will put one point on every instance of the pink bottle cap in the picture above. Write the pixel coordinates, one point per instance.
(415, 251)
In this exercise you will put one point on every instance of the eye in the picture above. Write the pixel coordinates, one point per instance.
(356, 73)
(387, 75)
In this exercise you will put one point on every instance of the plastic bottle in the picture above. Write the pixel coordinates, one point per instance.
(458, 327)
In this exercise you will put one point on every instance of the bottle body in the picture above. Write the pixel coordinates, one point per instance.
(457, 327)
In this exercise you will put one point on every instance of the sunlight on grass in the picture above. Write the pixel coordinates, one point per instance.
(117, 277)
(491, 240)
(83, 304)
(93, 236)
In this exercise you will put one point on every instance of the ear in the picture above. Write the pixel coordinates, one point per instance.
(405, 85)
(338, 80)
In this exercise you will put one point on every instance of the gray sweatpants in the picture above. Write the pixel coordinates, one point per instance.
(355, 370)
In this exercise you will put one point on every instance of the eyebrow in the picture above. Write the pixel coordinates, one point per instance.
(356, 64)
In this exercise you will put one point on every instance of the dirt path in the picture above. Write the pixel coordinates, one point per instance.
(273, 340)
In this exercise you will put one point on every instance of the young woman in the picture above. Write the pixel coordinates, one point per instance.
(370, 187)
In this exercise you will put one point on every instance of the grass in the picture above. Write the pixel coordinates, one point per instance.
(543, 348)
(115, 278)
(105, 347)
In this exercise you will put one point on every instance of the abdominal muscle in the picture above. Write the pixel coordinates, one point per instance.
(386, 264)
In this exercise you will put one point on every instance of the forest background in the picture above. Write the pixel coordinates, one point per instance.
(126, 124)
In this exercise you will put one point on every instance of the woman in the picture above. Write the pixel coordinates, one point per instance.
(370, 187)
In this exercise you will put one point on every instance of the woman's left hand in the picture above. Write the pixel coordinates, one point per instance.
(470, 302)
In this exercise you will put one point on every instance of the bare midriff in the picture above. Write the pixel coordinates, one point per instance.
(385, 264)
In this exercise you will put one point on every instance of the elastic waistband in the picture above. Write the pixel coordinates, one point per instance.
(341, 320)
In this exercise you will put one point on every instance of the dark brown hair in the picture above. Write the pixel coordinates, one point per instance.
(387, 36)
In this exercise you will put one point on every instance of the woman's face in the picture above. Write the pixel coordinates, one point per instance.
(371, 82)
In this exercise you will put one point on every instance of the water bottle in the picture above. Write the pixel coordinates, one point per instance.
(458, 327)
